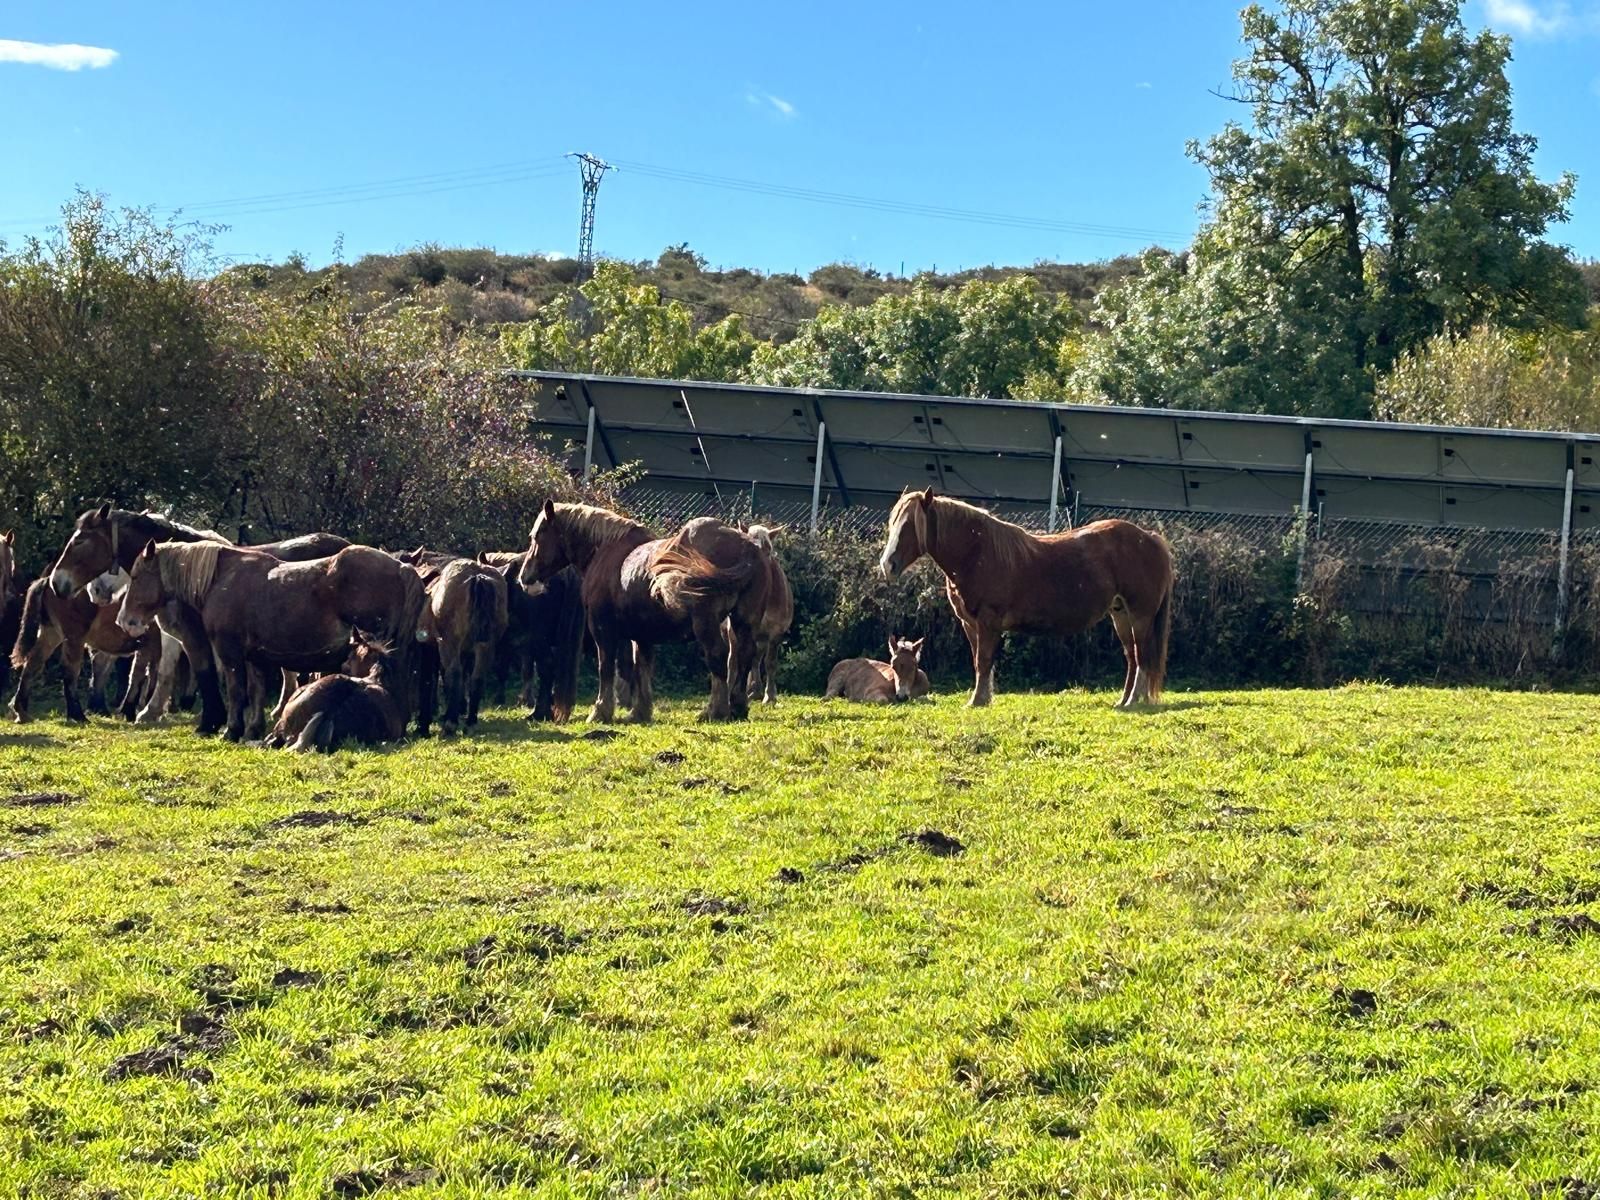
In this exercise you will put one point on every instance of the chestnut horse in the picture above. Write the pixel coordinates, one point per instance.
(256, 610)
(49, 623)
(1000, 577)
(775, 618)
(649, 590)
(874, 682)
(105, 540)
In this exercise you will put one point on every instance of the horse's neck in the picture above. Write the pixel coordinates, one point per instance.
(955, 551)
(584, 554)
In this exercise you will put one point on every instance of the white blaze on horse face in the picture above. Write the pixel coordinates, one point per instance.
(61, 582)
(891, 551)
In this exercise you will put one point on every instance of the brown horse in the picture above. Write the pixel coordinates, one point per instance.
(365, 706)
(641, 588)
(69, 624)
(775, 618)
(107, 539)
(874, 682)
(1000, 577)
(257, 610)
(543, 642)
(464, 618)
(11, 589)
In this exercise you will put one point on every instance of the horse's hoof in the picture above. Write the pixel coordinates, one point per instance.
(19, 718)
(77, 718)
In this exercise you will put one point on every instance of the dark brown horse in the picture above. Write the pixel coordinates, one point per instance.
(775, 618)
(257, 610)
(649, 590)
(365, 706)
(1000, 577)
(106, 539)
(464, 618)
(69, 624)
(544, 637)
(11, 589)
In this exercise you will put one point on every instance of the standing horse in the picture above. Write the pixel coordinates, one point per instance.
(106, 539)
(50, 622)
(649, 590)
(464, 618)
(256, 610)
(775, 618)
(544, 637)
(1000, 577)
(10, 603)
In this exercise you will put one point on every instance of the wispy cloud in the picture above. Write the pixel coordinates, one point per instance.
(1530, 18)
(762, 99)
(65, 56)
(1144, 85)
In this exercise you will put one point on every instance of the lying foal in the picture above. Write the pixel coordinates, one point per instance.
(874, 682)
(363, 706)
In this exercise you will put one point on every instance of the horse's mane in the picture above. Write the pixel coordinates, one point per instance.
(168, 526)
(501, 558)
(597, 526)
(187, 569)
(1007, 544)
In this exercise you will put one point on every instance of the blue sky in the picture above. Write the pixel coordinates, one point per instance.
(1070, 117)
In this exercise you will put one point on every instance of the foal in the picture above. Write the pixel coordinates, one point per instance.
(873, 682)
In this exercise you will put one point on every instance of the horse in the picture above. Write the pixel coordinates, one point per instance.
(105, 539)
(874, 682)
(641, 588)
(257, 610)
(999, 577)
(543, 638)
(73, 624)
(464, 618)
(775, 618)
(11, 588)
(364, 706)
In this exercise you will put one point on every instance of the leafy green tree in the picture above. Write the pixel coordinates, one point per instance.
(983, 339)
(1379, 195)
(614, 325)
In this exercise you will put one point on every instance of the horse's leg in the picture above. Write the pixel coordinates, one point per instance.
(643, 708)
(291, 684)
(100, 667)
(232, 666)
(983, 666)
(165, 672)
(605, 653)
(450, 668)
(43, 648)
(427, 686)
(769, 672)
(742, 655)
(480, 668)
(1144, 642)
(714, 647)
(138, 679)
(255, 722)
(543, 693)
(202, 666)
(1122, 621)
(72, 678)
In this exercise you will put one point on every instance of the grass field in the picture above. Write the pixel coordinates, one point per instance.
(1267, 943)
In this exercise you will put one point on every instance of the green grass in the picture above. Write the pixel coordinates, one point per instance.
(529, 961)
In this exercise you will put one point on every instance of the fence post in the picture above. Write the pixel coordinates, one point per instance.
(1561, 574)
(816, 478)
(1055, 485)
(588, 449)
(1305, 523)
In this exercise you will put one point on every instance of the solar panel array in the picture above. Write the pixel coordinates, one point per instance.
(718, 440)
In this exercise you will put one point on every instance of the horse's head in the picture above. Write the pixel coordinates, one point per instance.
(144, 593)
(764, 535)
(547, 551)
(107, 587)
(907, 539)
(905, 659)
(370, 658)
(91, 550)
(8, 568)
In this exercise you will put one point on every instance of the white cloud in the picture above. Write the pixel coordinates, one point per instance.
(1144, 84)
(62, 57)
(766, 99)
(1529, 18)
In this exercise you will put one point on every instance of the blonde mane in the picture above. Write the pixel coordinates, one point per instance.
(958, 523)
(597, 526)
(187, 569)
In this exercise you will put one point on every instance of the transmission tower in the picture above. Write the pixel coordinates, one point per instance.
(592, 169)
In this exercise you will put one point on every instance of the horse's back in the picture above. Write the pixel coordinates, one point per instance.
(862, 679)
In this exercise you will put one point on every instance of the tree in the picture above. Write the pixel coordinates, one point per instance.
(1379, 195)
(983, 339)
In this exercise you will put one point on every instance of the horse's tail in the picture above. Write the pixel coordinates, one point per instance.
(412, 598)
(567, 641)
(681, 576)
(482, 600)
(1161, 633)
(33, 618)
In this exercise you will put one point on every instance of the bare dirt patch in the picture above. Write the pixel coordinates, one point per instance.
(936, 842)
(316, 818)
(37, 800)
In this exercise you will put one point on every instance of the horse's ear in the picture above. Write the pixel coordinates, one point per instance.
(549, 509)
(483, 559)
(11, 537)
(927, 496)
(916, 646)
(894, 645)
(149, 550)
(103, 513)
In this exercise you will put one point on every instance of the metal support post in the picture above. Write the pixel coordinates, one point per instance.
(1561, 575)
(1055, 485)
(816, 478)
(1305, 526)
(588, 449)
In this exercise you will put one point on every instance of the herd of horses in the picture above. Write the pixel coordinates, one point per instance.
(358, 642)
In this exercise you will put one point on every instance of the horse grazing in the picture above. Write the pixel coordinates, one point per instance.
(106, 540)
(775, 618)
(463, 619)
(544, 637)
(647, 590)
(256, 610)
(364, 706)
(874, 682)
(1000, 577)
